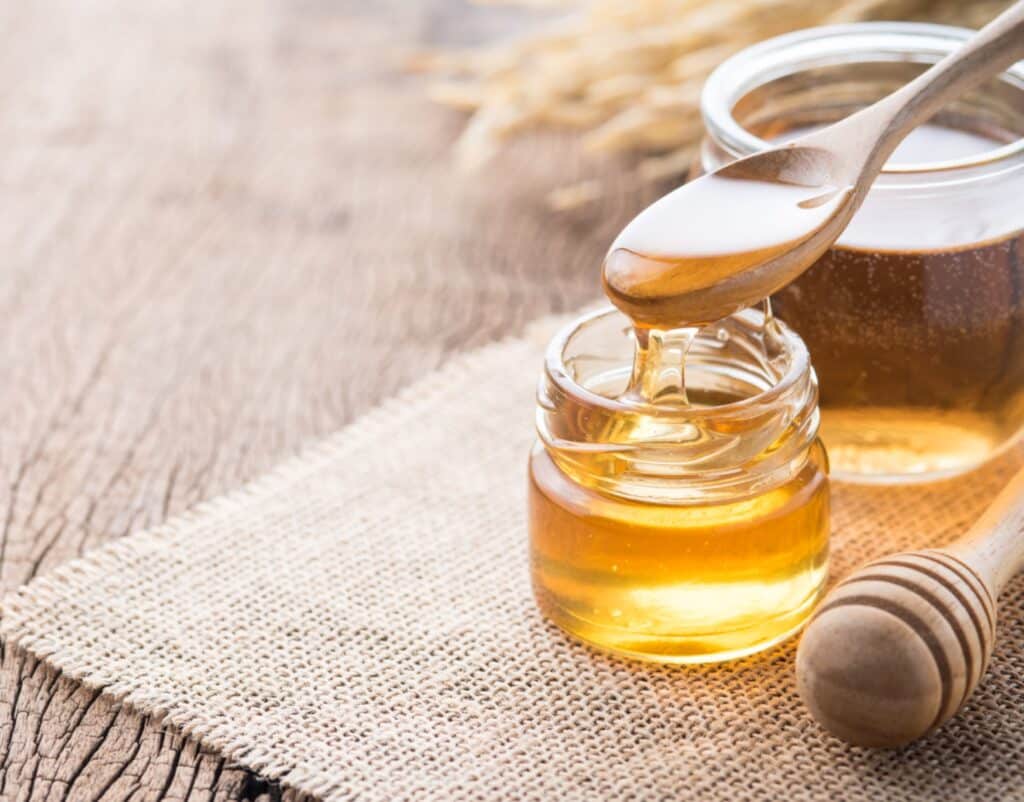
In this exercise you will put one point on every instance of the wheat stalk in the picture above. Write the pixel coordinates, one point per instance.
(627, 73)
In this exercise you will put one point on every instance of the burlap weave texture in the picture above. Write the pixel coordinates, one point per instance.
(359, 624)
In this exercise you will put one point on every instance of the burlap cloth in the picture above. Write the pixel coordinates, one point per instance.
(359, 624)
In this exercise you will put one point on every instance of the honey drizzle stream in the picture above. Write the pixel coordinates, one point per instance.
(659, 366)
(659, 361)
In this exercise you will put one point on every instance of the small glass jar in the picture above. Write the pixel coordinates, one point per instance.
(915, 319)
(679, 533)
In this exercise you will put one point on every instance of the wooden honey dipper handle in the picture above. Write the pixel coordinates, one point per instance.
(897, 647)
(994, 546)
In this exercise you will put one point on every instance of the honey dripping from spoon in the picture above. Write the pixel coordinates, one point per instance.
(659, 366)
(664, 270)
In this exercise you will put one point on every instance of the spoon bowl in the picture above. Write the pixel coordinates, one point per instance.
(749, 229)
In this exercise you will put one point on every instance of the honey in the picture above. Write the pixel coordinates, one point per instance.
(917, 331)
(678, 583)
(678, 494)
(935, 385)
(915, 317)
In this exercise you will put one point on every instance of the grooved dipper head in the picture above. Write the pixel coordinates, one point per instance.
(896, 648)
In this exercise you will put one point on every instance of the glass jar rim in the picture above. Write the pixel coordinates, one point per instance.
(906, 42)
(797, 370)
(683, 453)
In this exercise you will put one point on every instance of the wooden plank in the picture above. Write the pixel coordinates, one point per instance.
(227, 229)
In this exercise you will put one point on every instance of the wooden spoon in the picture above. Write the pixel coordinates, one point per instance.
(738, 234)
(898, 647)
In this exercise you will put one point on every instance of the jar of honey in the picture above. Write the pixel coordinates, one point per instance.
(915, 318)
(679, 532)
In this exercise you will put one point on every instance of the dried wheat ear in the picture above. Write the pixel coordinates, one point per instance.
(627, 74)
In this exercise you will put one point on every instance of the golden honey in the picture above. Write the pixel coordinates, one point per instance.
(685, 526)
(915, 317)
(920, 355)
(678, 583)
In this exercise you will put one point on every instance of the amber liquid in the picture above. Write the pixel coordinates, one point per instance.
(920, 355)
(678, 583)
(721, 575)
(916, 329)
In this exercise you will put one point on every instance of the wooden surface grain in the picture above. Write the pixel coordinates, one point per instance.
(227, 229)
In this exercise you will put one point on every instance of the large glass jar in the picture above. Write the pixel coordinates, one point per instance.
(671, 532)
(915, 319)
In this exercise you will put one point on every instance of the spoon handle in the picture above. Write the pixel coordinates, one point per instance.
(994, 546)
(879, 128)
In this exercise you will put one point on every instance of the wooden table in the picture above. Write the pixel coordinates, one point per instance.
(227, 229)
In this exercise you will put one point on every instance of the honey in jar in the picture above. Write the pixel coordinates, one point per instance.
(678, 501)
(915, 318)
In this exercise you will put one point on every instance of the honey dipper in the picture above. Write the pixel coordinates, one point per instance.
(897, 648)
